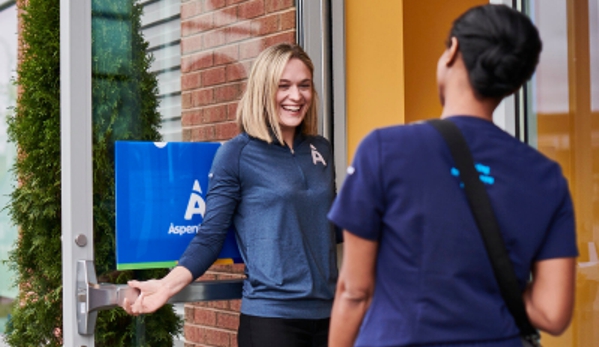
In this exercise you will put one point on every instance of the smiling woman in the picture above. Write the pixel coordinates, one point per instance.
(275, 183)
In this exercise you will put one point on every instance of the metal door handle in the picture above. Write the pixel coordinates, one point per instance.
(93, 297)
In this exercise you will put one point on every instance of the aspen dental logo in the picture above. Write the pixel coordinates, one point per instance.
(196, 205)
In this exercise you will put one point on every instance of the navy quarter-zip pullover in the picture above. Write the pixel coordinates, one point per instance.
(277, 199)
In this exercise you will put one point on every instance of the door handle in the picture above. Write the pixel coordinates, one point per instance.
(93, 297)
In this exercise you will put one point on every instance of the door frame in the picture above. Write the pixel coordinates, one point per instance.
(76, 158)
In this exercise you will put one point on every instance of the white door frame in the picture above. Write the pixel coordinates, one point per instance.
(76, 158)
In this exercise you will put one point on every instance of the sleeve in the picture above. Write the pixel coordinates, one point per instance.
(224, 193)
(359, 206)
(560, 240)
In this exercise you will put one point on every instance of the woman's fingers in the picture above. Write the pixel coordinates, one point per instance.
(137, 307)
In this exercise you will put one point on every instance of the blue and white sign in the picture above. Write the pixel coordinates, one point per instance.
(160, 202)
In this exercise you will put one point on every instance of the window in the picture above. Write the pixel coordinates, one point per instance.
(161, 27)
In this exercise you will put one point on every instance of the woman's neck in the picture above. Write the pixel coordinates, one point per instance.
(288, 136)
(467, 103)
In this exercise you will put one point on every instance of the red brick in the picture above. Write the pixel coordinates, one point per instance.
(189, 312)
(225, 16)
(251, 49)
(221, 305)
(226, 320)
(277, 5)
(218, 338)
(238, 32)
(207, 277)
(215, 114)
(226, 93)
(190, 9)
(186, 101)
(193, 333)
(197, 61)
(232, 2)
(235, 305)
(250, 9)
(279, 38)
(226, 131)
(238, 268)
(228, 276)
(265, 25)
(220, 268)
(214, 76)
(236, 72)
(202, 97)
(232, 115)
(234, 340)
(287, 20)
(186, 135)
(197, 25)
(211, 5)
(191, 118)
(191, 44)
(191, 81)
(203, 133)
(204, 317)
(214, 38)
(226, 55)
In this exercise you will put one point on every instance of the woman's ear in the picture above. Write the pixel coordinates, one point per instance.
(452, 51)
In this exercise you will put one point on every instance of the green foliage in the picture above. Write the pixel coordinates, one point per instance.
(124, 108)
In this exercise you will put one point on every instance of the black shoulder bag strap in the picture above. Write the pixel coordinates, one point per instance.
(487, 225)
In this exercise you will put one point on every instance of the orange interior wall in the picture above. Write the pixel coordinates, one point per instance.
(392, 48)
(426, 25)
(374, 67)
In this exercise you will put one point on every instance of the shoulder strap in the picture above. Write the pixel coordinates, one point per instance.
(487, 223)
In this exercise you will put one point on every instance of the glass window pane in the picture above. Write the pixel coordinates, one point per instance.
(136, 95)
(201, 53)
(564, 125)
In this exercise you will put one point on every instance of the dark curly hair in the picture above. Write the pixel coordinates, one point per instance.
(500, 48)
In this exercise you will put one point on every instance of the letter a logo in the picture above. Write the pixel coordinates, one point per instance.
(316, 156)
(196, 203)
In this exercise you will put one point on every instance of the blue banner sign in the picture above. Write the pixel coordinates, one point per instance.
(160, 202)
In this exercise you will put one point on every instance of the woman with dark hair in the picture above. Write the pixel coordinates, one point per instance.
(415, 269)
(275, 183)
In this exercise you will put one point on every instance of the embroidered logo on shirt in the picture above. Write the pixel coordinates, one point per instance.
(316, 156)
(485, 174)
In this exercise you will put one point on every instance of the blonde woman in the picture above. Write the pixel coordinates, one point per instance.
(275, 183)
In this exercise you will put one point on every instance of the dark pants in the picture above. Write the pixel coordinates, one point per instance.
(282, 332)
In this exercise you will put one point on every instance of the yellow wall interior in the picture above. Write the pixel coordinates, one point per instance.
(391, 57)
(374, 63)
(426, 25)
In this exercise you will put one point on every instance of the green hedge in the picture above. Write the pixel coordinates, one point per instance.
(124, 108)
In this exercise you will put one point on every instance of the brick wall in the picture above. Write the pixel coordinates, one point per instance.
(219, 41)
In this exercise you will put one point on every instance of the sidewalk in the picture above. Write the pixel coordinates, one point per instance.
(2, 343)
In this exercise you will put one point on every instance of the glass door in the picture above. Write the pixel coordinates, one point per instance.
(562, 119)
(116, 57)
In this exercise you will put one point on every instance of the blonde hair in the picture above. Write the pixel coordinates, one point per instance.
(257, 113)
